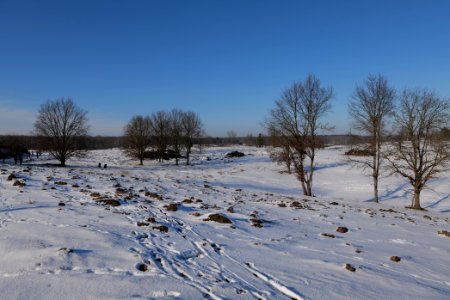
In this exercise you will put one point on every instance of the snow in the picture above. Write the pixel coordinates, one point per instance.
(86, 249)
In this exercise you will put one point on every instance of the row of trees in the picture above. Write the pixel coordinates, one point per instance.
(418, 147)
(61, 129)
(418, 117)
(176, 130)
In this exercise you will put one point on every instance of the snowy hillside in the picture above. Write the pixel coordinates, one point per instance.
(221, 229)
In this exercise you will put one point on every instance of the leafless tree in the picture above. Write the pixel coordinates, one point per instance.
(296, 120)
(161, 129)
(137, 137)
(176, 131)
(420, 152)
(192, 129)
(372, 104)
(61, 123)
(281, 151)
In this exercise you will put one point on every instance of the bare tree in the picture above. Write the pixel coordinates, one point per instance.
(372, 104)
(420, 152)
(281, 151)
(137, 137)
(176, 132)
(161, 129)
(296, 120)
(61, 123)
(192, 129)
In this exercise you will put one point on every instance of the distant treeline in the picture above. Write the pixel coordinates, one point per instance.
(27, 142)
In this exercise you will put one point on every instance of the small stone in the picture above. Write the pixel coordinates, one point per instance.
(142, 267)
(218, 218)
(329, 235)
(342, 229)
(395, 258)
(171, 207)
(350, 268)
(162, 228)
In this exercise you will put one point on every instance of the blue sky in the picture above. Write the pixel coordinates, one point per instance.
(227, 60)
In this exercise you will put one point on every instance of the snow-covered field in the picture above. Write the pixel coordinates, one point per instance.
(60, 238)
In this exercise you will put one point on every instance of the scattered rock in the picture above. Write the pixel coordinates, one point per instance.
(171, 207)
(196, 214)
(18, 183)
(141, 224)
(395, 258)
(282, 204)
(342, 229)
(95, 195)
(162, 228)
(334, 203)
(61, 204)
(218, 218)
(153, 195)
(187, 200)
(256, 223)
(234, 154)
(328, 235)
(111, 202)
(60, 183)
(230, 209)
(11, 177)
(151, 220)
(142, 267)
(297, 204)
(120, 190)
(444, 233)
(350, 268)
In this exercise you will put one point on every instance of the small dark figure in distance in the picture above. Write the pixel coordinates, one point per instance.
(99, 165)
(105, 166)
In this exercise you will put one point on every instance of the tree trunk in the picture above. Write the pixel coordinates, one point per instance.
(141, 161)
(187, 158)
(416, 199)
(375, 189)
(63, 162)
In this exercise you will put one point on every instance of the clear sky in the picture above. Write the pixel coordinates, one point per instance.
(227, 60)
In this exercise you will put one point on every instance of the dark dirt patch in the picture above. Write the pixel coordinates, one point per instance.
(154, 195)
(11, 177)
(171, 207)
(18, 183)
(444, 233)
(111, 202)
(151, 220)
(162, 228)
(219, 218)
